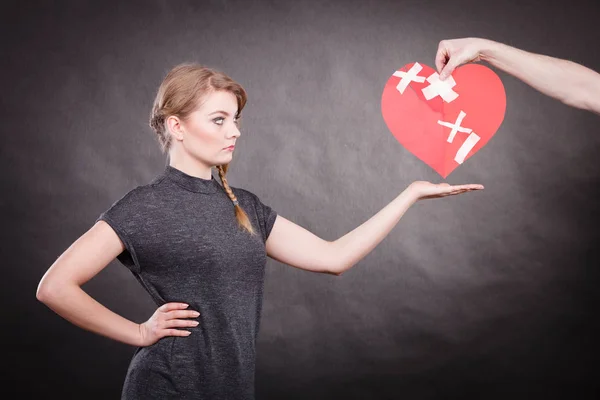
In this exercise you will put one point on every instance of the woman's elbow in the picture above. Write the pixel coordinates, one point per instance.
(337, 268)
(44, 291)
(49, 289)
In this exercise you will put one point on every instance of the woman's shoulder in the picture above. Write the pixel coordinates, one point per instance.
(238, 191)
(245, 194)
(136, 196)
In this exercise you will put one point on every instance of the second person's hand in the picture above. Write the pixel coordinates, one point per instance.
(455, 52)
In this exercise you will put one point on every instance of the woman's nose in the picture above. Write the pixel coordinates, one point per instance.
(235, 132)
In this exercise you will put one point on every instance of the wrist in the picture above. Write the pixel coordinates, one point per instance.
(139, 342)
(487, 49)
(411, 194)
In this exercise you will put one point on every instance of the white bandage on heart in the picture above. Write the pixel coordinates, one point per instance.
(456, 126)
(408, 77)
(466, 147)
(468, 144)
(440, 88)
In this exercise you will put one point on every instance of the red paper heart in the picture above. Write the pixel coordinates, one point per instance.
(416, 122)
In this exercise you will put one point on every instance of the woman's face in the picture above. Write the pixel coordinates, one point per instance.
(209, 132)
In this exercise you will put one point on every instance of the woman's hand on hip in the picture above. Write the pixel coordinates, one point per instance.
(165, 321)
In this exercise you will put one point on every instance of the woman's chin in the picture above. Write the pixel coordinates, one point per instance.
(224, 159)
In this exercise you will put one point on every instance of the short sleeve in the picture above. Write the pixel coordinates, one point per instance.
(120, 216)
(266, 217)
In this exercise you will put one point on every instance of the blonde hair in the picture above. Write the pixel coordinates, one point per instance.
(179, 94)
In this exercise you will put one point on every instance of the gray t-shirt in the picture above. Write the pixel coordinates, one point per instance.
(183, 244)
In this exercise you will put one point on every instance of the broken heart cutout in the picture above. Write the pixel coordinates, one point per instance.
(443, 123)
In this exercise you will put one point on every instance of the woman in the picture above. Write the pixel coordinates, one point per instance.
(200, 250)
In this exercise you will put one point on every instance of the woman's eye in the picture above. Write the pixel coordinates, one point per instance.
(219, 120)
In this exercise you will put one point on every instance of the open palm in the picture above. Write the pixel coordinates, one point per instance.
(427, 190)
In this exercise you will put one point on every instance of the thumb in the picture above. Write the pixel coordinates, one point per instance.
(448, 69)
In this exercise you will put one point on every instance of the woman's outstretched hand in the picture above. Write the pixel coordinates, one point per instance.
(427, 190)
(164, 322)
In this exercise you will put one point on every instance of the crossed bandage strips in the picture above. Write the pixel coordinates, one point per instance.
(443, 89)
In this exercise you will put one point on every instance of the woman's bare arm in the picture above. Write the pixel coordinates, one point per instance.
(60, 287)
(296, 246)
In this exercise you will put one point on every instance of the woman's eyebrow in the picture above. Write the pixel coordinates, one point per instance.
(220, 111)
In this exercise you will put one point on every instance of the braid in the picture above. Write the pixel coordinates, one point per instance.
(240, 214)
(157, 123)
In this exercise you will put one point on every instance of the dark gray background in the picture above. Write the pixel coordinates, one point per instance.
(491, 294)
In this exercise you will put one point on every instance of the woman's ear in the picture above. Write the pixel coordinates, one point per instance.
(175, 127)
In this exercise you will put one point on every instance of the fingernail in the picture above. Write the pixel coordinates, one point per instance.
(189, 333)
(185, 305)
(196, 313)
(196, 323)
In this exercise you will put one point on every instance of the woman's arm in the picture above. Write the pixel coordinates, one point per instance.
(60, 289)
(571, 83)
(293, 245)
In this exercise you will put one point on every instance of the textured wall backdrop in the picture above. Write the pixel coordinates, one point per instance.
(491, 294)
